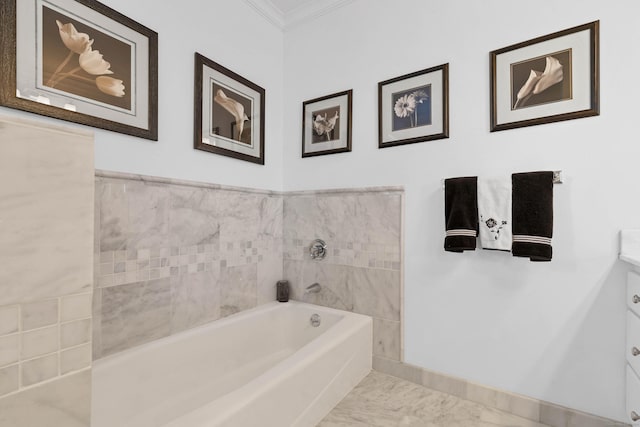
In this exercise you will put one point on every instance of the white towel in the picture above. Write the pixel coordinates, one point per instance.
(494, 213)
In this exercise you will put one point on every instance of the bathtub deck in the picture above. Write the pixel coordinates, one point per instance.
(384, 401)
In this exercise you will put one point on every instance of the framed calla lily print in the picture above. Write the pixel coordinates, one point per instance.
(229, 112)
(547, 79)
(80, 61)
(414, 107)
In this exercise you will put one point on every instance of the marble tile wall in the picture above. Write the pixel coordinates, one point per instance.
(46, 237)
(172, 255)
(43, 340)
(362, 271)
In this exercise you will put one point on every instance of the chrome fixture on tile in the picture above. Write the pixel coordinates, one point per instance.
(634, 416)
(318, 249)
(635, 351)
(313, 289)
(315, 320)
(636, 299)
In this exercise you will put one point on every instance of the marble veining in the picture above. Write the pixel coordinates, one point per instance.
(362, 270)
(195, 299)
(231, 243)
(238, 289)
(216, 250)
(46, 240)
(134, 314)
(382, 400)
(53, 169)
(190, 217)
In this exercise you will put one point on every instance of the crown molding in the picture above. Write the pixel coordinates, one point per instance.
(268, 11)
(311, 10)
(305, 12)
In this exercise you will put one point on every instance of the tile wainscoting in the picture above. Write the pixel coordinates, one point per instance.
(362, 271)
(46, 236)
(171, 255)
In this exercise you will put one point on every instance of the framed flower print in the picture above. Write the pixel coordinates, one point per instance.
(326, 124)
(547, 79)
(80, 61)
(229, 112)
(414, 107)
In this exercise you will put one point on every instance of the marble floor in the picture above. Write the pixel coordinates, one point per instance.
(386, 401)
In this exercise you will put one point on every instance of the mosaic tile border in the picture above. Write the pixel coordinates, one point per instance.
(353, 254)
(44, 340)
(139, 265)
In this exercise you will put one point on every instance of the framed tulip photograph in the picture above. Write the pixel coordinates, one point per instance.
(414, 107)
(547, 79)
(80, 61)
(229, 112)
(326, 124)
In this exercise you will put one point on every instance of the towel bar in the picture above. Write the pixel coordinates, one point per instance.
(557, 178)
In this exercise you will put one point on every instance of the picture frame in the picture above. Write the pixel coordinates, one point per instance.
(546, 79)
(229, 112)
(327, 125)
(414, 107)
(79, 61)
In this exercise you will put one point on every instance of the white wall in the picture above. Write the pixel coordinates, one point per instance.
(228, 32)
(553, 331)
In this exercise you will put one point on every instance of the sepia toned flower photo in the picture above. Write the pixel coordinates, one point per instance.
(231, 114)
(326, 125)
(83, 61)
(541, 80)
(411, 108)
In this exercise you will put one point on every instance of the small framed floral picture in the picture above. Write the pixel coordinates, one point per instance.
(229, 113)
(414, 107)
(81, 61)
(547, 79)
(326, 124)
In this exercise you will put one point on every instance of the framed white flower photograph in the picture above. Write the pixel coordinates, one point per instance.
(414, 107)
(326, 124)
(547, 79)
(81, 61)
(229, 112)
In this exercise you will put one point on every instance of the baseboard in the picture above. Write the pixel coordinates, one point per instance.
(532, 409)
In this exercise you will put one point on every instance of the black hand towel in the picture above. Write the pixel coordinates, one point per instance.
(532, 219)
(461, 213)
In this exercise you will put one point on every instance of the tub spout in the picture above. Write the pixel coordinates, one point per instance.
(315, 288)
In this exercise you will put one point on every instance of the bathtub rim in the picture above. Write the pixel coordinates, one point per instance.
(121, 356)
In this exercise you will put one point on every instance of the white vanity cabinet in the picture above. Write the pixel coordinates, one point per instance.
(632, 350)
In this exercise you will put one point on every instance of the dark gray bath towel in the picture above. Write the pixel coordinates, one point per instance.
(532, 208)
(461, 213)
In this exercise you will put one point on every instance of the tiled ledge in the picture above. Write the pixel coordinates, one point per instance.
(187, 183)
(182, 182)
(398, 189)
(525, 407)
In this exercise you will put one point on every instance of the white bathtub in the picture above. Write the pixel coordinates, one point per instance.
(263, 367)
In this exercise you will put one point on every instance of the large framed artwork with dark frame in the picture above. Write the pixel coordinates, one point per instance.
(414, 107)
(80, 61)
(229, 112)
(546, 79)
